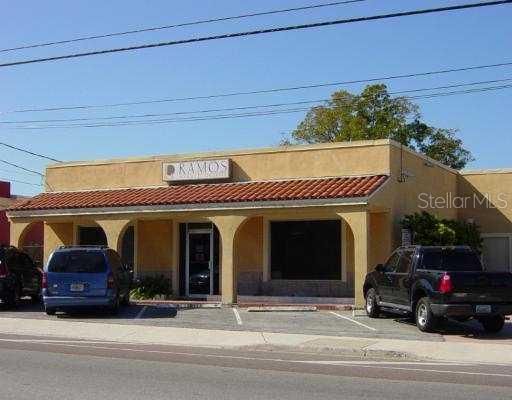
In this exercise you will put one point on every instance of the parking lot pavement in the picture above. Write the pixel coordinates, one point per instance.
(330, 323)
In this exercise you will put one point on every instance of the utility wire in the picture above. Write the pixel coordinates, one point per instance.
(167, 120)
(20, 167)
(456, 92)
(158, 28)
(241, 115)
(258, 32)
(205, 111)
(263, 91)
(22, 182)
(28, 152)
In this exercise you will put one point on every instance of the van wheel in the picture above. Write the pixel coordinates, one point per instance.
(114, 308)
(126, 299)
(36, 298)
(49, 311)
(426, 321)
(371, 307)
(493, 324)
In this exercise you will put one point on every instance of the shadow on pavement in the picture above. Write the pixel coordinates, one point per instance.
(469, 329)
(28, 309)
(125, 312)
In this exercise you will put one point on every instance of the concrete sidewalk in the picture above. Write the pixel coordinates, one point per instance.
(468, 351)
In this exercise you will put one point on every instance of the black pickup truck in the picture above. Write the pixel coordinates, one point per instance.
(431, 283)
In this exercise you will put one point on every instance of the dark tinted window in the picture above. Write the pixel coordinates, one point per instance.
(26, 262)
(392, 263)
(306, 250)
(12, 258)
(77, 262)
(451, 260)
(405, 262)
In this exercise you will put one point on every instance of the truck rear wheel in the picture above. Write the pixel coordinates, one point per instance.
(426, 321)
(371, 307)
(493, 324)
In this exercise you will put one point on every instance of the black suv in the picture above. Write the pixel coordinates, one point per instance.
(432, 282)
(19, 276)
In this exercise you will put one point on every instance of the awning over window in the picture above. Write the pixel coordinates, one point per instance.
(211, 193)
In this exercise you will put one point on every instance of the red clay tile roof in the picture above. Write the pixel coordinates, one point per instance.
(297, 189)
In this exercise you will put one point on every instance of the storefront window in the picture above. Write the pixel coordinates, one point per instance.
(305, 250)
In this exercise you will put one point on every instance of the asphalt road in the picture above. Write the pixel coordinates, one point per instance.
(43, 368)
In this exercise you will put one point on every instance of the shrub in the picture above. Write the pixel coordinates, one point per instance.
(429, 230)
(149, 287)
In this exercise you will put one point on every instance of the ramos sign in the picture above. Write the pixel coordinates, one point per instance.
(197, 170)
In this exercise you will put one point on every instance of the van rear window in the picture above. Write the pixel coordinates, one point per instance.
(92, 262)
(450, 260)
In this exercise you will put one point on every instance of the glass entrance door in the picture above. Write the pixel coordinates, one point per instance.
(199, 264)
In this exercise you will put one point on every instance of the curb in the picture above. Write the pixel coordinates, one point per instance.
(363, 353)
(283, 309)
(183, 304)
(318, 307)
(176, 304)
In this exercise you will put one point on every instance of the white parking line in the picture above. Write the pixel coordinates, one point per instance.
(139, 314)
(237, 316)
(353, 320)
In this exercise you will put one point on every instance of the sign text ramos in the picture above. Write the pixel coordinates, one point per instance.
(197, 170)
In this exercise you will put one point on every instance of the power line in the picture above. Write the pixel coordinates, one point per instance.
(158, 28)
(10, 171)
(165, 114)
(263, 91)
(28, 152)
(20, 167)
(159, 121)
(258, 32)
(240, 115)
(456, 92)
(22, 182)
(205, 111)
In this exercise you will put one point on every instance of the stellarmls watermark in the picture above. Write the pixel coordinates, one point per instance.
(476, 200)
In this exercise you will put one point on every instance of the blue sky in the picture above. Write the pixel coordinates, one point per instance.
(362, 50)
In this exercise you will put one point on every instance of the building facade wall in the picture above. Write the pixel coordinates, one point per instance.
(365, 158)
(57, 234)
(414, 181)
(155, 247)
(250, 257)
(489, 200)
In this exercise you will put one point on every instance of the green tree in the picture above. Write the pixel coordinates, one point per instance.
(374, 114)
(429, 230)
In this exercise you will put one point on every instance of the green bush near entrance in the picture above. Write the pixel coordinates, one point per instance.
(151, 287)
(429, 230)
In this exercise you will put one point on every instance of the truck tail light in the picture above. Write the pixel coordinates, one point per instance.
(4, 271)
(445, 284)
(44, 281)
(110, 281)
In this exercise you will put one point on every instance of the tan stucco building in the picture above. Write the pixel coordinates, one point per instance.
(289, 221)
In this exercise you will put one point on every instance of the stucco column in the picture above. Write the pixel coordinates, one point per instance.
(228, 227)
(359, 224)
(113, 229)
(175, 258)
(16, 232)
(55, 235)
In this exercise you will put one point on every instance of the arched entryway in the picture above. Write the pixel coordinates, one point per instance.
(31, 241)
